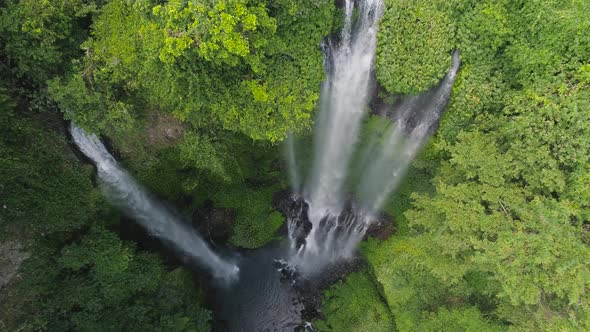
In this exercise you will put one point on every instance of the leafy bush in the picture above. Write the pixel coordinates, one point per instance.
(100, 283)
(256, 223)
(414, 45)
(355, 304)
(43, 187)
(504, 229)
(80, 276)
(256, 72)
(40, 37)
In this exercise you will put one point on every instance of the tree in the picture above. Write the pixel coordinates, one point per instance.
(414, 45)
(40, 37)
(100, 283)
(42, 190)
(227, 65)
(505, 228)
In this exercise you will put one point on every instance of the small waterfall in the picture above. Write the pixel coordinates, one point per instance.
(337, 215)
(120, 187)
(414, 121)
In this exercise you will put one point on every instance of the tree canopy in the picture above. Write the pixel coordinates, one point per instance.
(415, 44)
(505, 225)
(242, 66)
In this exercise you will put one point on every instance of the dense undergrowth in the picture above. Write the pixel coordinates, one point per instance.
(492, 220)
(355, 304)
(80, 275)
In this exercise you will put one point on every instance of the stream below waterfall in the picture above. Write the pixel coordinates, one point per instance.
(263, 299)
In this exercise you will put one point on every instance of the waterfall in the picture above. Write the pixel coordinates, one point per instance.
(344, 95)
(415, 119)
(122, 190)
(339, 215)
(344, 98)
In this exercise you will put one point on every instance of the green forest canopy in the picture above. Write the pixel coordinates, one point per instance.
(494, 218)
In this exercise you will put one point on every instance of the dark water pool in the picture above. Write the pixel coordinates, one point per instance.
(263, 299)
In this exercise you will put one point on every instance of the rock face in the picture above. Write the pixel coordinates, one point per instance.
(295, 209)
(11, 258)
(163, 130)
(282, 200)
(219, 223)
(215, 223)
(382, 227)
(298, 219)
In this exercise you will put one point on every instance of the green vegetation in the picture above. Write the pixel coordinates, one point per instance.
(256, 223)
(355, 304)
(190, 94)
(502, 239)
(44, 190)
(234, 76)
(415, 44)
(222, 67)
(39, 38)
(80, 276)
(101, 284)
(194, 96)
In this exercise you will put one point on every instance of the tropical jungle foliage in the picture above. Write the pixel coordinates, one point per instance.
(502, 235)
(195, 96)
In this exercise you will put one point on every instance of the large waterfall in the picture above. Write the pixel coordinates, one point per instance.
(124, 191)
(340, 211)
(344, 98)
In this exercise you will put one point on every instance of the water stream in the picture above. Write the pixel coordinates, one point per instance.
(340, 213)
(123, 191)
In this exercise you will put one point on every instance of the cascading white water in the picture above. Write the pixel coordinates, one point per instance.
(344, 98)
(336, 225)
(125, 192)
(342, 107)
(413, 124)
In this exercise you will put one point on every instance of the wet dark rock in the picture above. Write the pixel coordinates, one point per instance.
(412, 109)
(382, 227)
(296, 209)
(282, 201)
(383, 103)
(299, 219)
(307, 293)
(216, 223)
(310, 290)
